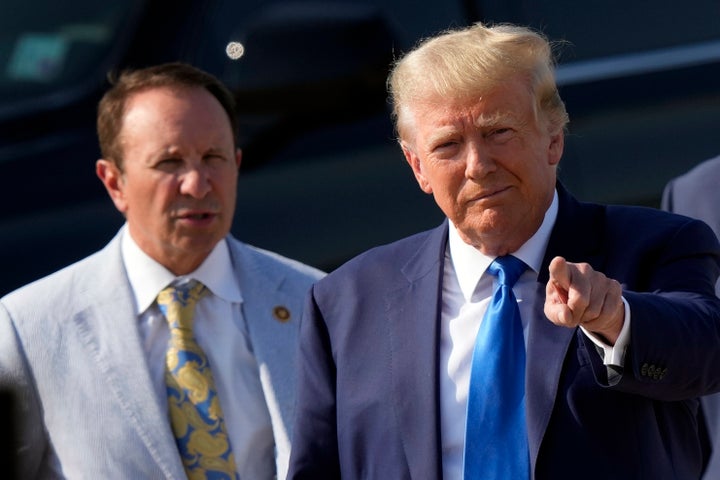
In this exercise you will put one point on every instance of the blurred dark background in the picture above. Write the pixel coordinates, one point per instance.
(8, 441)
(322, 177)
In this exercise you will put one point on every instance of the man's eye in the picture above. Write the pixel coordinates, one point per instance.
(168, 163)
(445, 145)
(214, 157)
(501, 132)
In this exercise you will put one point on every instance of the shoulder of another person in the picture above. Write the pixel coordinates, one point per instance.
(703, 169)
(705, 173)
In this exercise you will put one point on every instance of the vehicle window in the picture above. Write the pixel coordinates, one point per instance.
(46, 45)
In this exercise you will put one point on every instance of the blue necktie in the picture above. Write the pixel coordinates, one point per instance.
(496, 435)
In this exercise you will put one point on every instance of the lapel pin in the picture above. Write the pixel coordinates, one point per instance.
(281, 313)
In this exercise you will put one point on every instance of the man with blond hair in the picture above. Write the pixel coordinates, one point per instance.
(530, 335)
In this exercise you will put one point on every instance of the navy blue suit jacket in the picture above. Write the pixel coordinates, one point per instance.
(368, 404)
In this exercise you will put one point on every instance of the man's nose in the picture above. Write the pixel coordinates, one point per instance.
(195, 182)
(478, 161)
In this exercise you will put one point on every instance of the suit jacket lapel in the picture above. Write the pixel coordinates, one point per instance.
(108, 329)
(546, 349)
(274, 339)
(578, 237)
(413, 312)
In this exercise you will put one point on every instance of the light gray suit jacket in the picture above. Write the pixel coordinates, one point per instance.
(70, 348)
(696, 194)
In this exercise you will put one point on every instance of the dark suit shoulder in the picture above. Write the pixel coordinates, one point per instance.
(642, 243)
(628, 243)
(392, 257)
(651, 223)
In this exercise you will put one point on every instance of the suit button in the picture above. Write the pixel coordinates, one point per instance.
(652, 371)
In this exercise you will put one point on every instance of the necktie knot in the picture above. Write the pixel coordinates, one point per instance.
(177, 303)
(507, 269)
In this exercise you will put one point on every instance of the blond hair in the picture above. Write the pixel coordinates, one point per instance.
(465, 64)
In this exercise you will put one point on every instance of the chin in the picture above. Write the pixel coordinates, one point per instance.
(192, 245)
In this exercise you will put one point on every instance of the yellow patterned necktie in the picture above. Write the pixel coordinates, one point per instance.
(194, 407)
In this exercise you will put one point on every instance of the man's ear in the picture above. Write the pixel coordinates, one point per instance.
(238, 157)
(416, 165)
(111, 177)
(556, 147)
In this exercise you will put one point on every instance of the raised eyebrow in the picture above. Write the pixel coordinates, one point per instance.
(440, 135)
(489, 121)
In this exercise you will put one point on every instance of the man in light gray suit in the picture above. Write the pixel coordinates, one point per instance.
(696, 194)
(85, 348)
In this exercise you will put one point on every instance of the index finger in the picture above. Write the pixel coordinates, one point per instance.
(559, 270)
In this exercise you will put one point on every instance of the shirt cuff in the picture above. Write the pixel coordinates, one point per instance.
(614, 354)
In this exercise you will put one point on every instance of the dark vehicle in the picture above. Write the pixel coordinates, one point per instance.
(322, 177)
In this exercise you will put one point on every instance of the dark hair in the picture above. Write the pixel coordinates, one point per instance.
(111, 109)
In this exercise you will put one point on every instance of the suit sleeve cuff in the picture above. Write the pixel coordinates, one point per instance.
(613, 355)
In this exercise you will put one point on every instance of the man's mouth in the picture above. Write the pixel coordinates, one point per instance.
(489, 194)
(198, 216)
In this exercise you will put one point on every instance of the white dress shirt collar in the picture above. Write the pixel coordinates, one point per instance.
(147, 277)
(470, 264)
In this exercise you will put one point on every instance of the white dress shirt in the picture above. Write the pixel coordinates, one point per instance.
(466, 294)
(221, 331)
